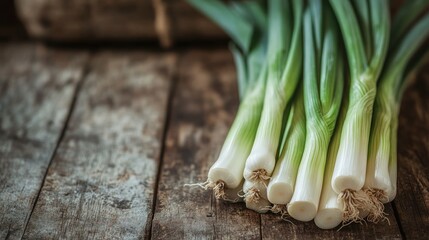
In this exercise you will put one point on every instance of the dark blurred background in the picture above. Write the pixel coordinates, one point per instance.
(10, 26)
(167, 22)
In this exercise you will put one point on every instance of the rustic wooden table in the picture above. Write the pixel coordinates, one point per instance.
(99, 144)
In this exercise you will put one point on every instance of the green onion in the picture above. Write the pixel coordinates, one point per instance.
(306, 148)
(323, 88)
(410, 74)
(404, 19)
(253, 11)
(363, 14)
(282, 182)
(378, 184)
(330, 212)
(240, 64)
(230, 164)
(284, 56)
(350, 165)
(227, 171)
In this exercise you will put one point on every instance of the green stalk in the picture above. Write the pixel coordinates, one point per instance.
(405, 17)
(330, 211)
(350, 167)
(240, 30)
(249, 53)
(230, 165)
(240, 64)
(282, 182)
(404, 52)
(378, 183)
(364, 16)
(352, 36)
(380, 32)
(323, 90)
(410, 73)
(316, 10)
(284, 65)
(252, 11)
(393, 158)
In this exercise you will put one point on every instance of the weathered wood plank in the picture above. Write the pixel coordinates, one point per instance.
(37, 86)
(272, 227)
(204, 106)
(412, 200)
(101, 181)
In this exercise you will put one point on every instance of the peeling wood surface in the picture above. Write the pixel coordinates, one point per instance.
(101, 181)
(142, 125)
(36, 90)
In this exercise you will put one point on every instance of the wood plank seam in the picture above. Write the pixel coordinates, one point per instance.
(9, 233)
(260, 227)
(85, 71)
(398, 220)
(204, 104)
(174, 79)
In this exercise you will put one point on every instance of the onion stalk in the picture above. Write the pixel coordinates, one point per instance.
(350, 166)
(284, 56)
(282, 182)
(330, 212)
(378, 184)
(323, 88)
(305, 148)
(249, 52)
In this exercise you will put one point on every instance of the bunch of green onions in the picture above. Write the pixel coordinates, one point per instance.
(320, 85)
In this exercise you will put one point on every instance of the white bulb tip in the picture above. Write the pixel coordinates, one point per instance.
(260, 158)
(341, 183)
(328, 218)
(224, 175)
(302, 210)
(279, 193)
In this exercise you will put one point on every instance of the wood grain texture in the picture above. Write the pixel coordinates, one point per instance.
(412, 199)
(101, 181)
(204, 106)
(36, 90)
